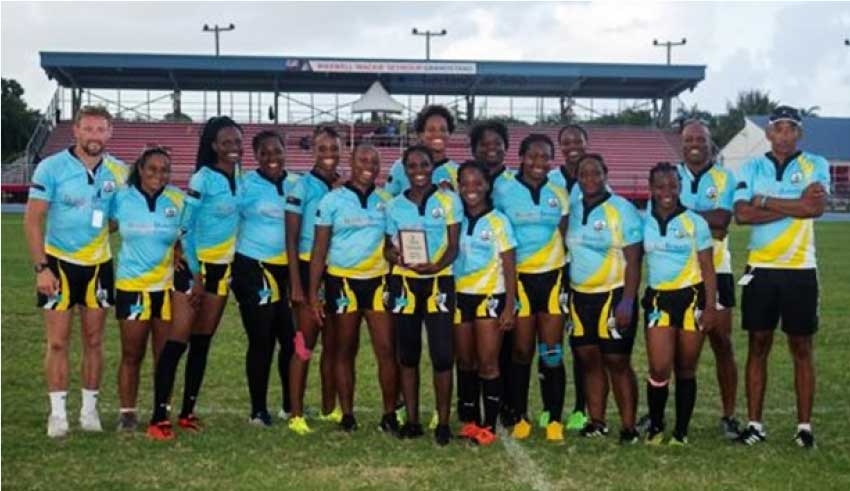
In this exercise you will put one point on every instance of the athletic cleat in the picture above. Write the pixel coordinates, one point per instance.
(629, 437)
(805, 439)
(160, 431)
(729, 427)
(90, 421)
(262, 419)
(334, 416)
(543, 419)
(57, 427)
(576, 421)
(128, 422)
(298, 425)
(654, 436)
(282, 414)
(751, 436)
(522, 429)
(348, 423)
(484, 437)
(643, 423)
(435, 421)
(190, 423)
(468, 431)
(555, 432)
(442, 435)
(593, 430)
(677, 441)
(507, 417)
(389, 423)
(410, 430)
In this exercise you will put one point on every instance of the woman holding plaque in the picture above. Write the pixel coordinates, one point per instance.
(485, 272)
(350, 225)
(423, 224)
(538, 210)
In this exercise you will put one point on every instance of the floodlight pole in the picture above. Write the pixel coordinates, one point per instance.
(666, 108)
(216, 30)
(428, 34)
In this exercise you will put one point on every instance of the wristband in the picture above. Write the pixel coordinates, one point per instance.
(763, 202)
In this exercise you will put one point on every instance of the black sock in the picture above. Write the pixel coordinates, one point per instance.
(545, 396)
(166, 368)
(467, 396)
(258, 321)
(505, 369)
(554, 382)
(196, 365)
(286, 338)
(492, 401)
(520, 380)
(578, 382)
(657, 399)
(686, 396)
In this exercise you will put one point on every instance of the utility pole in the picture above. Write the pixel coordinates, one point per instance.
(428, 34)
(666, 108)
(216, 30)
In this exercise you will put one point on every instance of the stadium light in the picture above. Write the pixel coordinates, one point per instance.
(669, 45)
(428, 34)
(216, 30)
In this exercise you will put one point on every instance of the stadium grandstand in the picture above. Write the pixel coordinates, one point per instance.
(164, 99)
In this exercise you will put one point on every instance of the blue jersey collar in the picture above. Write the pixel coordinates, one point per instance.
(278, 183)
(473, 219)
(570, 181)
(535, 192)
(363, 197)
(149, 199)
(424, 204)
(697, 176)
(662, 223)
(587, 209)
(89, 173)
(231, 179)
(315, 173)
(781, 166)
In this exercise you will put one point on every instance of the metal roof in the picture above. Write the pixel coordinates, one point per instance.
(827, 137)
(355, 75)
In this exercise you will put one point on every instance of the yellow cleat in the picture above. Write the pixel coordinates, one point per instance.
(678, 442)
(654, 439)
(334, 416)
(555, 431)
(298, 425)
(435, 421)
(522, 429)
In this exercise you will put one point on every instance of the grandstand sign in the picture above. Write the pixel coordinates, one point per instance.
(367, 66)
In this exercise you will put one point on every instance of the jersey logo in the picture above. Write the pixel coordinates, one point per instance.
(380, 207)
(711, 192)
(170, 212)
(486, 235)
(438, 213)
(598, 225)
(553, 202)
(679, 233)
(492, 307)
(796, 178)
(108, 186)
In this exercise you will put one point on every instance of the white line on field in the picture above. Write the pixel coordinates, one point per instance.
(528, 470)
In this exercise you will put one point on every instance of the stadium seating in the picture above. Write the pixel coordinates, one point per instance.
(629, 151)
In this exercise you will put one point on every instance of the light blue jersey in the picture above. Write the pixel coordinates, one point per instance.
(304, 200)
(262, 226)
(711, 189)
(210, 217)
(559, 177)
(478, 267)
(444, 171)
(788, 243)
(439, 210)
(357, 221)
(149, 227)
(671, 248)
(79, 202)
(596, 237)
(535, 215)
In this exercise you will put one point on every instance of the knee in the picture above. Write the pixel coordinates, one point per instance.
(551, 355)
(801, 349)
(441, 359)
(760, 345)
(522, 354)
(466, 364)
(408, 356)
(93, 342)
(659, 374)
(132, 356)
(57, 347)
(618, 366)
(488, 369)
(721, 344)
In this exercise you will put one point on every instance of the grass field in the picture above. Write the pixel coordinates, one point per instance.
(233, 455)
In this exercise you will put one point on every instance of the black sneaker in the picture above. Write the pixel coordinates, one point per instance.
(593, 429)
(389, 423)
(410, 430)
(442, 435)
(730, 428)
(805, 439)
(643, 424)
(128, 422)
(629, 437)
(261, 418)
(348, 423)
(751, 436)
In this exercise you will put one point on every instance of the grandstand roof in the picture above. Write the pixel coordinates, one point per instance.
(827, 137)
(355, 75)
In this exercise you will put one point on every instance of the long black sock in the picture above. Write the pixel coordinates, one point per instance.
(554, 382)
(545, 396)
(578, 382)
(196, 365)
(166, 368)
(657, 400)
(686, 396)
(286, 339)
(492, 400)
(520, 380)
(257, 321)
(467, 394)
(506, 369)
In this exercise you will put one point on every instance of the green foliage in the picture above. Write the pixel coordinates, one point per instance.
(19, 121)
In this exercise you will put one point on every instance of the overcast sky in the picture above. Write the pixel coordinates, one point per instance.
(795, 51)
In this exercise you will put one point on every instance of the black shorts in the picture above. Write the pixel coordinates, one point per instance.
(787, 294)
(304, 275)
(216, 278)
(90, 286)
(257, 283)
(345, 295)
(471, 307)
(412, 296)
(674, 308)
(592, 316)
(542, 293)
(143, 306)
(725, 290)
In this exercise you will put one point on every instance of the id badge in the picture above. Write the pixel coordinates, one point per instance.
(97, 219)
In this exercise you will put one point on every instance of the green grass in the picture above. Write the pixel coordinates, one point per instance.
(233, 455)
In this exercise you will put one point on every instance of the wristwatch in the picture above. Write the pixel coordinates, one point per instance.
(38, 268)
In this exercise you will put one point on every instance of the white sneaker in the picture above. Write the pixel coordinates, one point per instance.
(283, 414)
(57, 427)
(90, 421)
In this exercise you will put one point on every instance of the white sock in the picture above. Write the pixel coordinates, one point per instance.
(125, 410)
(757, 425)
(804, 427)
(57, 403)
(89, 401)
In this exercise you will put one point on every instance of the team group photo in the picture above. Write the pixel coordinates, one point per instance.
(339, 272)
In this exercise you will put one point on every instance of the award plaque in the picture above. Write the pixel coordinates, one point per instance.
(414, 247)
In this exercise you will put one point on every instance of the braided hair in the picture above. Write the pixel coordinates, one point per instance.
(206, 153)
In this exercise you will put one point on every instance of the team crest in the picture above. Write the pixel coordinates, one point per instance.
(553, 202)
(598, 225)
(711, 192)
(486, 235)
(108, 186)
(796, 178)
(679, 233)
(438, 213)
(170, 212)
(380, 206)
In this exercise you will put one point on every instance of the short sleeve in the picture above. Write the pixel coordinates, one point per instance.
(632, 225)
(455, 215)
(565, 202)
(326, 210)
(822, 173)
(394, 180)
(43, 186)
(726, 200)
(744, 186)
(505, 236)
(703, 234)
(391, 226)
(195, 190)
(296, 198)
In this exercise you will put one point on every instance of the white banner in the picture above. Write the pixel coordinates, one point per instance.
(431, 68)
